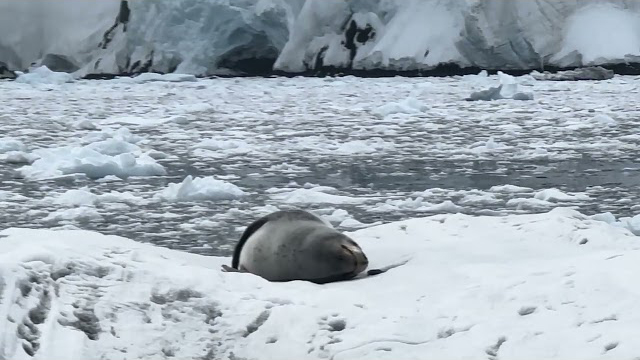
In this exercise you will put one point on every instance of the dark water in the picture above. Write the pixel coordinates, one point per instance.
(426, 150)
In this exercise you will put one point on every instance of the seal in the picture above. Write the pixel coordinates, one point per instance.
(297, 245)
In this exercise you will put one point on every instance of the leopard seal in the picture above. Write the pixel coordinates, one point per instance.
(296, 245)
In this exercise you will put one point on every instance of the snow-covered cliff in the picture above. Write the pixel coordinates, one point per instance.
(206, 36)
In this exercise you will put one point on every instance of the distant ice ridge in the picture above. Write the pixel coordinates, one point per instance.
(211, 36)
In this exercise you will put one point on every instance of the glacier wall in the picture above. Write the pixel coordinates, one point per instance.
(491, 34)
(208, 36)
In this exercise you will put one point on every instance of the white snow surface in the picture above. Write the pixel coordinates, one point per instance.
(555, 285)
(206, 36)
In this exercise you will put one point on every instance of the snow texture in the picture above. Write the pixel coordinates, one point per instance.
(212, 36)
(552, 286)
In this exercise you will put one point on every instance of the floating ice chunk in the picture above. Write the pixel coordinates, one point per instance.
(510, 189)
(604, 120)
(368, 146)
(445, 206)
(238, 146)
(56, 162)
(556, 195)
(487, 146)
(85, 124)
(409, 105)
(314, 196)
(337, 216)
(113, 147)
(76, 197)
(9, 144)
(82, 213)
(480, 199)
(42, 75)
(122, 134)
(150, 77)
(528, 203)
(10, 196)
(508, 89)
(19, 157)
(587, 73)
(199, 189)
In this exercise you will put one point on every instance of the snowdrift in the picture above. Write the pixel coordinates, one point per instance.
(224, 37)
(555, 285)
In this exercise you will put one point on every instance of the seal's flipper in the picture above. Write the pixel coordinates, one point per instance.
(384, 269)
(227, 268)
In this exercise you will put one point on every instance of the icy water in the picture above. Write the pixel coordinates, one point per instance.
(392, 148)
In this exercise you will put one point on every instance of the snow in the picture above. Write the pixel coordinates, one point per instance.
(42, 75)
(472, 286)
(199, 189)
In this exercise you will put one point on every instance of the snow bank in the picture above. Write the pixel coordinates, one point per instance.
(472, 286)
(42, 75)
(198, 189)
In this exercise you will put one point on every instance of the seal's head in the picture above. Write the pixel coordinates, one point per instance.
(336, 257)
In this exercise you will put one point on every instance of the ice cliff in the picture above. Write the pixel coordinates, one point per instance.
(208, 36)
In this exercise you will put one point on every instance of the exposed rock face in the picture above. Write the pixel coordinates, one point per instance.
(5, 73)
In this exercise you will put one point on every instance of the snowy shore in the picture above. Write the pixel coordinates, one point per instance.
(556, 285)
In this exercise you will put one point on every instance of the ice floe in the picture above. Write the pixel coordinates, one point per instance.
(471, 286)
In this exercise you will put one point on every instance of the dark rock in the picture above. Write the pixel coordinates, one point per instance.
(5, 73)
(59, 63)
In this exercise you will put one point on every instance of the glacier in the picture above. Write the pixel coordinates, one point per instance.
(208, 37)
